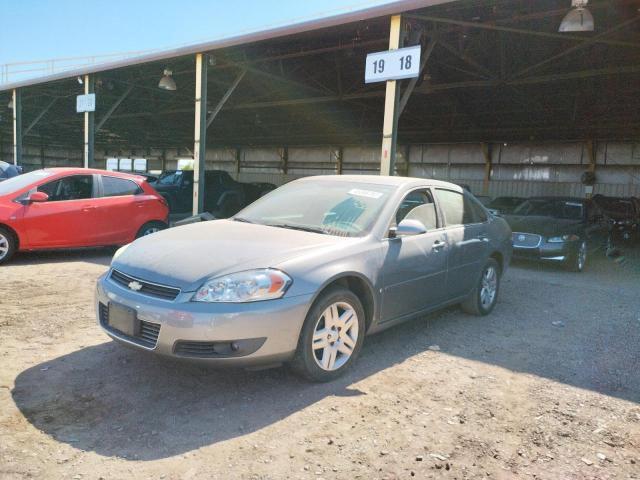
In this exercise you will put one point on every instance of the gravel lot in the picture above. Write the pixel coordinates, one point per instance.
(546, 387)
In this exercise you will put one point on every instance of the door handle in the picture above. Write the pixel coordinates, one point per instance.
(437, 245)
(483, 238)
(88, 208)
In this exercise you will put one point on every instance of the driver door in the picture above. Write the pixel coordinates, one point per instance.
(415, 267)
(67, 218)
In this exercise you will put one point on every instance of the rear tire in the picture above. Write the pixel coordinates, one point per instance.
(485, 294)
(331, 337)
(8, 245)
(150, 228)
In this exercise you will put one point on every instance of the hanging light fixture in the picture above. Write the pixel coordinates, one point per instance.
(167, 82)
(579, 19)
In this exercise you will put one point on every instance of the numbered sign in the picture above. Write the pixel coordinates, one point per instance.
(393, 64)
(86, 103)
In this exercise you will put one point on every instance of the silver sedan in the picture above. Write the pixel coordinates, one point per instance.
(304, 273)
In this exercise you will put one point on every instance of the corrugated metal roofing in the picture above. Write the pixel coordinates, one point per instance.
(294, 28)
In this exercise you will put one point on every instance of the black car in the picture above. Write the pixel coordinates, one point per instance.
(556, 229)
(223, 196)
(7, 170)
(622, 216)
(504, 205)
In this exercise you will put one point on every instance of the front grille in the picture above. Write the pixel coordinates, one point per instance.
(526, 240)
(195, 349)
(218, 349)
(147, 335)
(148, 288)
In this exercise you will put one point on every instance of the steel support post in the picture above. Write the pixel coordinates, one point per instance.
(391, 100)
(17, 126)
(89, 125)
(238, 158)
(486, 153)
(591, 152)
(339, 160)
(200, 133)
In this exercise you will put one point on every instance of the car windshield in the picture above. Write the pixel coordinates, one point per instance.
(331, 207)
(170, 178)
(18, 183)
(572, 210)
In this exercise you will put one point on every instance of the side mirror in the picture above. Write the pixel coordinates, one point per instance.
(38, 197)
(406, 228)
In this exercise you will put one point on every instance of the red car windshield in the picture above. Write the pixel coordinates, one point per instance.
(18, 183)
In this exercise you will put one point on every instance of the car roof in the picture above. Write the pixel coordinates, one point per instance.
(559, 198)
(383, 180)
(91, 171)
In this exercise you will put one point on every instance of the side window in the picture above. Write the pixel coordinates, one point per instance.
(115, 187)
(477, 212)
(75, 187)
(418, 205)
(453, 206)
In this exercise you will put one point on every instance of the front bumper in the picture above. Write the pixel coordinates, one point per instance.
(553, 252)
(225, 334)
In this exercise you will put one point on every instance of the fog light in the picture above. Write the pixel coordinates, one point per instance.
(234, 346)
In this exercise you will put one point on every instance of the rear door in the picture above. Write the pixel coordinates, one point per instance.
(466, 227)
(123, 209)
(414, 267)
(67, 218)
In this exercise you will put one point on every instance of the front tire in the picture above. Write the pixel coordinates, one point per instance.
(331, 337)
(485, 294)
(8, 244)
(578, 259)
(150, 228)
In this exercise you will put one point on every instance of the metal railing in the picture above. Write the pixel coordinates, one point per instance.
(11, 72)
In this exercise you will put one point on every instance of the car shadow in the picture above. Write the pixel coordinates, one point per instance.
(98, 256)
(121, 402)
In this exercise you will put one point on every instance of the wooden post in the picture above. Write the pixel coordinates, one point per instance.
(391, 100)
(89, 125)
(200, 134)
(17, 126)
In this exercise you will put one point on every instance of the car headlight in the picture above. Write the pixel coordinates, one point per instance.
(249, 286)
(120, 251)
(563, 238)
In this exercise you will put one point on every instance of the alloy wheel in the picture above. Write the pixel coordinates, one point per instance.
(4, 246)
(489, 287)
(335, 336)
(582, 255)
(150, 230)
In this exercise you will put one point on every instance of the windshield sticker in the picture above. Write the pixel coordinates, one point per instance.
(364, 193)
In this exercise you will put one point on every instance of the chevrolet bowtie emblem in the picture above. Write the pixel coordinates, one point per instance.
(135, 286)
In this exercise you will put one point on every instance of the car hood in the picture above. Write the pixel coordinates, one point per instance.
(545, 226)
(185, 256)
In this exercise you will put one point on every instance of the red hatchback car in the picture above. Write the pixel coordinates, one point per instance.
(76, 207)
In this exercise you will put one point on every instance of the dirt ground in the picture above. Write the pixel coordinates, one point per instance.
(546, 387)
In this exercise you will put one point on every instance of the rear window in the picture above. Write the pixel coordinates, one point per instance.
(116, 187)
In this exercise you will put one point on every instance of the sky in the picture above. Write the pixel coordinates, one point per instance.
(34, 30)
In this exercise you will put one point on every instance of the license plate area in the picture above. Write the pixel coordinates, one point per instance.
(124, 319)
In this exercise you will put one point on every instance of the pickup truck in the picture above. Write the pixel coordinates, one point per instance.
(223, 196)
